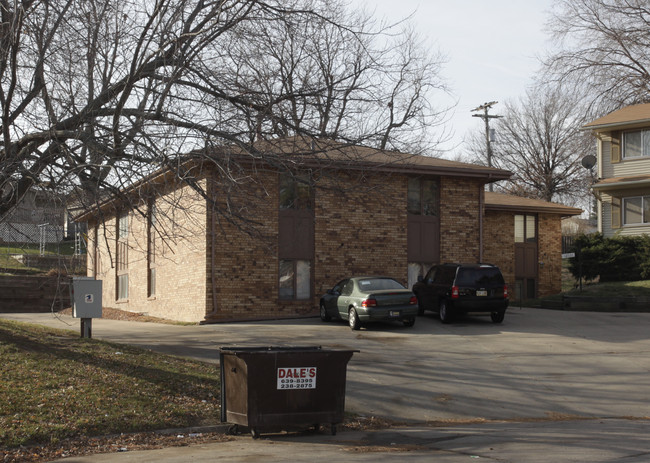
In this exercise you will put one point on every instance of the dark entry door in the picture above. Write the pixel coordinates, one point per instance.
(525, 256)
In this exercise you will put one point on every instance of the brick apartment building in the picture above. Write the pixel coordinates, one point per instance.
(289, 236)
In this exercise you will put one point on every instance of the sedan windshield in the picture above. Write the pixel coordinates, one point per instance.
(378, 284)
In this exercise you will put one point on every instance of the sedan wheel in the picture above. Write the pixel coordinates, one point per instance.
(445, 314)
(353, 320)
(323, 313)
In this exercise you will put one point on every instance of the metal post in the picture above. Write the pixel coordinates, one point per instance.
(77, 244)
(41, 238)
(579, 252)
(86, 327)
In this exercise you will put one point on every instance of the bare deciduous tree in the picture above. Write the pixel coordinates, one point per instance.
(97, 93)
(538, 138)
(604, 48)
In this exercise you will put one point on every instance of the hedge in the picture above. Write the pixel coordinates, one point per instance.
(621, 258)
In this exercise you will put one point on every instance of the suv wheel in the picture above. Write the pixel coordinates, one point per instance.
(444, 312)
(497, 317)
(420, 306)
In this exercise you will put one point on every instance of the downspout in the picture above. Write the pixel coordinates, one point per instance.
(213, 276)
(213, 247)
(481, 195)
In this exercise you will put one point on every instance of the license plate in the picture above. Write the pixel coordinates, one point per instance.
(394, 313)
(481, 293)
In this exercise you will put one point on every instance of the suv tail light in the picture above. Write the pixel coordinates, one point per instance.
(369, 303)
(413, 301)
(454, 292)
(505, 291)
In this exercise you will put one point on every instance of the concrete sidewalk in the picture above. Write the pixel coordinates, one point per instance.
(567, 441)
(550, 385)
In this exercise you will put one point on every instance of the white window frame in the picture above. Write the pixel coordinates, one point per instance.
(122, 257)
(645, 144)
(152, 243)
(525, 230)
(644, 220)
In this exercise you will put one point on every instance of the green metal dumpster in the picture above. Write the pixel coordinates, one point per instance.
(273, 388)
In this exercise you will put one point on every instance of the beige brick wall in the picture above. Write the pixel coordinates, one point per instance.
(499, 249)
(360, 230)
(245, 252)
(180, 260)
(459, 219)
(499, 243)
(550, 253)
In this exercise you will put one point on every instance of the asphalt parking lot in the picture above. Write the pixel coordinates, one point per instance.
(539, 371)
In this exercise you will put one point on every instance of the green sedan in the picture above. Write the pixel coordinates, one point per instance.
(368, 299)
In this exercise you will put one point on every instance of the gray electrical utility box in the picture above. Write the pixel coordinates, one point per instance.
(86, 296)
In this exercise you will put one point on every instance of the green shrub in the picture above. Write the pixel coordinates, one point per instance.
(621, 258)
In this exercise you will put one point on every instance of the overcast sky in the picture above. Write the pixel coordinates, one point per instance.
(491, 48)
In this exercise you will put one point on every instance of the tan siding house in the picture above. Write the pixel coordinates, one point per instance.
(623, 185)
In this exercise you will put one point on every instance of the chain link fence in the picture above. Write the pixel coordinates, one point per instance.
(29, 248)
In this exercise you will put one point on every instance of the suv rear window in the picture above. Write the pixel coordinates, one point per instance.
(479, 277)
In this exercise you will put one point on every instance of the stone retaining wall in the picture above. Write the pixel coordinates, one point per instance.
(30, 294)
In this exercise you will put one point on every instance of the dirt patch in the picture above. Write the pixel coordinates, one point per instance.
(115, 314)
(109, 444)
(385, 448)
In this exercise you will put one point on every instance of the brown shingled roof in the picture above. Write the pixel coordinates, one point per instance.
(327, 154)
(622, 182)
(503, 202)
(332, 154)
(630, 115)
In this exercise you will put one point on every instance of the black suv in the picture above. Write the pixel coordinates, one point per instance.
(457, 289)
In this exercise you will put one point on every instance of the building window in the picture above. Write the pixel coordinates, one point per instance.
(295, 279)
(152, 222)
(122, 267)
(123, 287)
(636, 210)
(423, 197)
(525, 229)
(636, 144)
(123, 226)
(295, 236)
(416, 270)
(295, 192)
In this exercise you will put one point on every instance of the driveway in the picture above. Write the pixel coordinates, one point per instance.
(542, 386)
(537, 364)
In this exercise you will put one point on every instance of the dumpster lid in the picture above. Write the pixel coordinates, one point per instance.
(274, 349)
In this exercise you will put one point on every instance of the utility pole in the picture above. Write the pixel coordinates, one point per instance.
(486, 117)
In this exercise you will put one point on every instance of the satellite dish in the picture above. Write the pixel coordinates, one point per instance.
(589, 161)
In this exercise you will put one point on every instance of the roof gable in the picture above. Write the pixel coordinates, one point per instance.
(630, 116)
